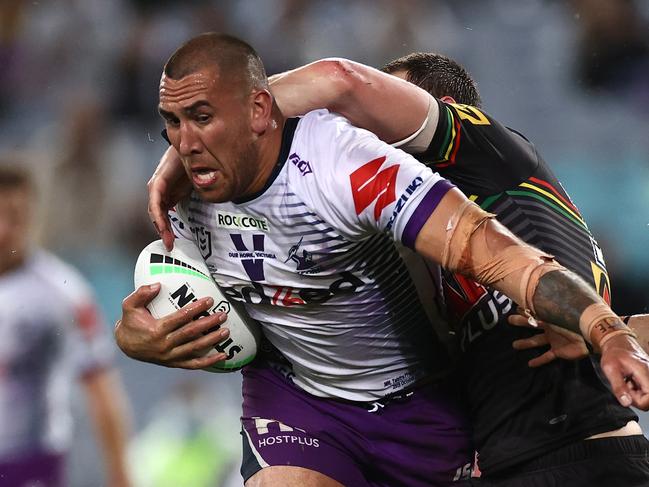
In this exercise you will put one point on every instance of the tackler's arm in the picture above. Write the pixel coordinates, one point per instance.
(464, 238)
(395, 110)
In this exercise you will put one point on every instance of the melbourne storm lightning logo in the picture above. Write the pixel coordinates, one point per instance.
(305, 261)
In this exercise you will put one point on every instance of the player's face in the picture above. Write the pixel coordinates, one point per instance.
(208, 122)
(15, 213)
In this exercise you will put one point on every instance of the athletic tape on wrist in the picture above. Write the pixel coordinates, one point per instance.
(620, 331)
(598, 321)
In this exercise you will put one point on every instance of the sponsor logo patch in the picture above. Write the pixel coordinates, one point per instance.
(398, 383)
(405, 196)
(235, 221)
(274, 432)
(303, 166)
(473, 306)
(252, 257)
(256, 293)
(369, 185)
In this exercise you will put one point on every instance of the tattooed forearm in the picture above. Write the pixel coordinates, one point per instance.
(561, 297)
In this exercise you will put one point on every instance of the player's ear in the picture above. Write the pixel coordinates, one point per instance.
(262, 106)
(448, 99)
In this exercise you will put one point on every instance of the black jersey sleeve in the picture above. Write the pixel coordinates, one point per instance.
(478, 153)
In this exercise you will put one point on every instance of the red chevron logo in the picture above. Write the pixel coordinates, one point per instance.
(368, 184)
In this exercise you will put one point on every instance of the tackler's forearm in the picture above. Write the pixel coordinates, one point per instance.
(478, 246)
(567, 298)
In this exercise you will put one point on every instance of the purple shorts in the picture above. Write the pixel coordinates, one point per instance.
(421, 438)
(38, 468)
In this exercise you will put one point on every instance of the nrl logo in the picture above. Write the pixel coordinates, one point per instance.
(204, 240)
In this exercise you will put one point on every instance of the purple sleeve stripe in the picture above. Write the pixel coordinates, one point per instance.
(423, 211)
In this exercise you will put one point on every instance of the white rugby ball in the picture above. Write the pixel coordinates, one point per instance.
(184, 277)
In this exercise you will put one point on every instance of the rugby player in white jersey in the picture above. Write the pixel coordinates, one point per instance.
(509, 401)
(343, 317)
(51, 335)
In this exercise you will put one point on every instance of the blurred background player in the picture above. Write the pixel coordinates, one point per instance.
(51, 335)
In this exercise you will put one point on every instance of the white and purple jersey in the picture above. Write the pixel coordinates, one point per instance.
(50, 334)
(313, 256)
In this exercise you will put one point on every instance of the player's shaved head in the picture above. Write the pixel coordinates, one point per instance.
(235, 60)
(438, 75)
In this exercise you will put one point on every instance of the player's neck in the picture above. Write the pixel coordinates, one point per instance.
(269, 147)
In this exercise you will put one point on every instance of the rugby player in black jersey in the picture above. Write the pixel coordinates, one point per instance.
(527, 421)
(554, 425)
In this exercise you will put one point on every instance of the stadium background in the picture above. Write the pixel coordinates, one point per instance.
(78, 94)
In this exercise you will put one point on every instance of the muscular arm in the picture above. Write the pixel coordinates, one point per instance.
(575, 296)
(107, 407)
(560, 296)
(388, 106)
(465, 239)
(167, 186)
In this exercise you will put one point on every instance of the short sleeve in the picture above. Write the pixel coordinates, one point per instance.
(360, 184)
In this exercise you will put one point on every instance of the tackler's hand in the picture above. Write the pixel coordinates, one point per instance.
(175, 340)
(563, 344)
(626, 366)
(167, 186)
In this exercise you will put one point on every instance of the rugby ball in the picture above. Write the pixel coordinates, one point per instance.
(184, 277)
